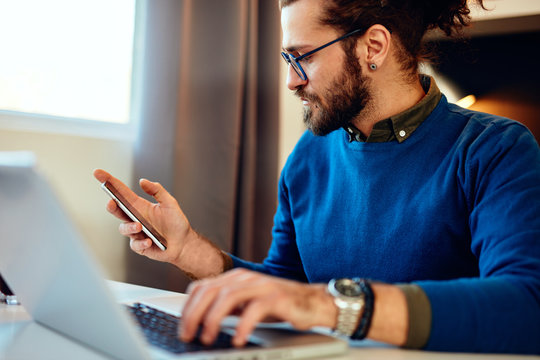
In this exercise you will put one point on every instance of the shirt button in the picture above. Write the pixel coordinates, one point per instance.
(402, 133)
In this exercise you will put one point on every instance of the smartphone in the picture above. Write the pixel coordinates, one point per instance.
(134, 215)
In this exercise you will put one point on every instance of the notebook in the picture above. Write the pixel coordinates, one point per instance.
(47, 264)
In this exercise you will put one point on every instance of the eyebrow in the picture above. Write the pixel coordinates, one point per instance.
(291, 49)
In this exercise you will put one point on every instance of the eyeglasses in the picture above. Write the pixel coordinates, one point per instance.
(295, 61)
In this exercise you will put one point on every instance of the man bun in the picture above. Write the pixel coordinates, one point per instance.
(408, 20)
(450, 16)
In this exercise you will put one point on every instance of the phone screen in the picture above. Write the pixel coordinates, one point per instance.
(134, 215)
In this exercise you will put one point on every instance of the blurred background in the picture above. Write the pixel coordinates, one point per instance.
(191, 93)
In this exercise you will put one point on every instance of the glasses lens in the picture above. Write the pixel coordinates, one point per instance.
(296, 66)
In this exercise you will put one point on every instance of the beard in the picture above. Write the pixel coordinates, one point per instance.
(346, 97)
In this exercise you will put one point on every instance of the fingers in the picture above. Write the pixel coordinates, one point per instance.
(113, 208)
(101, 175)
(256, 297)
(157, 191)
(194, 310)
(204, 296)
(141, 246)
(123, 189)
(210, 301)
(139, 242)
(251, 297)
(253, 314)
(130, 228)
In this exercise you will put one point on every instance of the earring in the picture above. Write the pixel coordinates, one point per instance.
(373, 67)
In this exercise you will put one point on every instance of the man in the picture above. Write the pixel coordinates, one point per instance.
(438, 206)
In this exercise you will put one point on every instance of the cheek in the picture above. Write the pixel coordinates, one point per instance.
(325, 71)
(323, 86)
(319, 74)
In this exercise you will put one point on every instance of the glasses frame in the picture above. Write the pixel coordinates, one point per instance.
(295, 61)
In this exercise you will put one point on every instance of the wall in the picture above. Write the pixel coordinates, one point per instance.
(68, 161)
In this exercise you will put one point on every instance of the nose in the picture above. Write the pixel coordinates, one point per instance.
(293, 80)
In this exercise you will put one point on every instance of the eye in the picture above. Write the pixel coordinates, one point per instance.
(295, 54)
(307, 59)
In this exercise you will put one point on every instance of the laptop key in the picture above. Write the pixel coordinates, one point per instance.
(160, 329)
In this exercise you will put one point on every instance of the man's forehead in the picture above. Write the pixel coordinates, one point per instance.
(300, 23)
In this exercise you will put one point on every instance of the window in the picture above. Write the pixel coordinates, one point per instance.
(68, 60)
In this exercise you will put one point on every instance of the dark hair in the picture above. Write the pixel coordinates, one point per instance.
(408, 20)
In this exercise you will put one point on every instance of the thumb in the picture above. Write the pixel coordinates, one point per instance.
(157, 191)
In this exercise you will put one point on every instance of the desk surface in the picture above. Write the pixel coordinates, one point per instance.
(21, 338)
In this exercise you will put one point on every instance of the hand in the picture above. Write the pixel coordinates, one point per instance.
(165, 215)
(254, 297)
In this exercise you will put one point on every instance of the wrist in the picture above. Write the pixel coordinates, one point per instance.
(187, 242)
(227, 261)
(200, 258)
(390, 317)
(326, 310)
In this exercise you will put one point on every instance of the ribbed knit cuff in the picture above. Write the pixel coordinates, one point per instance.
(419, 310)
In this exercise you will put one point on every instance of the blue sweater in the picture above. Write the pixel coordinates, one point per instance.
(455, 209)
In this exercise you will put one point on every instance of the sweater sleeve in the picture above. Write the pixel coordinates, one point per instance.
(500, 310)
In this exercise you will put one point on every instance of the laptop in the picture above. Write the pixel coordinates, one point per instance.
(48, 266)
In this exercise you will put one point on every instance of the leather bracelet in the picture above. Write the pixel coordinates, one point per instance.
(365, 321)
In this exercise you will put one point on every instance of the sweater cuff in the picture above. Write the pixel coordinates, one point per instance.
(419, 310)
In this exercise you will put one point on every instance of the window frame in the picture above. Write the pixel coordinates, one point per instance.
(44, 123)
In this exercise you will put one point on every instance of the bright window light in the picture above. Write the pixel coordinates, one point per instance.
(67, 58)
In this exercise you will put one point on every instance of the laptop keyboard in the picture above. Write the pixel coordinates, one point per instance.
(161, 329)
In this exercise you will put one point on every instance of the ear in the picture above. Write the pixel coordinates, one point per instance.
(376, 45)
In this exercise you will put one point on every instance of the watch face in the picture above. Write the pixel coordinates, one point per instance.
(348, 287)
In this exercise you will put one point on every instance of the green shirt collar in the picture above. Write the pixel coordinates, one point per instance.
(399, 127)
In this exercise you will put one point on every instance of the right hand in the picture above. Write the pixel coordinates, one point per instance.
(165, 215)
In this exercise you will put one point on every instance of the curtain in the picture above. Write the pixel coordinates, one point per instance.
(209, 122)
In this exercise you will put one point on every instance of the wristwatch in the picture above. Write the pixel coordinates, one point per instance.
(350, 298)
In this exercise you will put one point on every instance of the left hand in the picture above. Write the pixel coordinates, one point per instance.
(254, 297)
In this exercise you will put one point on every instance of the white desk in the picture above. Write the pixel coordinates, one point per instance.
(21, 338)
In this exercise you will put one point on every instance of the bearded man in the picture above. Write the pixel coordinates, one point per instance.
(422, 217)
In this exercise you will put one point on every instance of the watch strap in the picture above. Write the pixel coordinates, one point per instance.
(347, 320)
(365, 320)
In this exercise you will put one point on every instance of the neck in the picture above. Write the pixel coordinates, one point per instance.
(388, 98)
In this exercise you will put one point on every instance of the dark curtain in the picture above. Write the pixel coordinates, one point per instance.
(209, 122)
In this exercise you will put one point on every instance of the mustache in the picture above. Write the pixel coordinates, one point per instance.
(301, 93)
